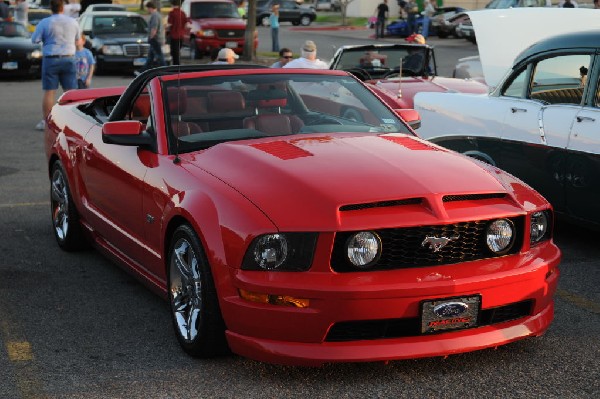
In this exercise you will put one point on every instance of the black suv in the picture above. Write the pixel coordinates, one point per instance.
(289, 11)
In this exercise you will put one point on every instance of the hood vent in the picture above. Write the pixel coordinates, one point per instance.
(381, 204)
(472, 197)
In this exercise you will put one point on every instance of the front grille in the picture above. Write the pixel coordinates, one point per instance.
(136, 50)
(410, 327)
(230, 33)
(403, 247)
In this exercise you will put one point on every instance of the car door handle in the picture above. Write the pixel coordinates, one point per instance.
(515, 110)
(585, 119)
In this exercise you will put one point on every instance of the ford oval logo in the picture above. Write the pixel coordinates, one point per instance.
(450, 309)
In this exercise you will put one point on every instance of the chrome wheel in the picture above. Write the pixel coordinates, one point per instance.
(65, 219)
(186, 289)
(195, 308)
(59, 197)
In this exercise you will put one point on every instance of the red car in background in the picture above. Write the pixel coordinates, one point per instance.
(214, 24)
(399, 71)
(283, 230)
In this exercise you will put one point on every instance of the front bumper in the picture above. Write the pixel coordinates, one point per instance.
(298, 336)
(206, 45)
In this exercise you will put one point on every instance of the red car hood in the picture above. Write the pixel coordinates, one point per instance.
(303, 180)
(220, 23)
(411, 86)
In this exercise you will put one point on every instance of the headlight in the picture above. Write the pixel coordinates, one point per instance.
(363, 249)
(36, 54)
(539, 226)
(500, 236)
(112, 49)
(206, 33)
(281, 252)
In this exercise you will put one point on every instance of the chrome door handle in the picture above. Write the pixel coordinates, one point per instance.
(515, 110)
(585, 119)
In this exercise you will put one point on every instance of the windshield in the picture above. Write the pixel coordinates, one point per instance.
(214, 10)
(202, 112)
(119, 24)
(12, 29)
(378, 62)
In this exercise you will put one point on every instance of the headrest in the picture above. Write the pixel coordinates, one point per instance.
(225, 101)
(268, 98)
(177, 100)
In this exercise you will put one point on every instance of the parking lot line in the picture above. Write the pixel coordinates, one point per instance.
(24, 204)
(579, 301)
(20, 355)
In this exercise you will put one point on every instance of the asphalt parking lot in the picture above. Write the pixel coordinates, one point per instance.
(74, 325)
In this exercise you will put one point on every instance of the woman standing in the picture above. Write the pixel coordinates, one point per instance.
(274, 21)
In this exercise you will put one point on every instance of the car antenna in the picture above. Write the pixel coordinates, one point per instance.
(177, 160)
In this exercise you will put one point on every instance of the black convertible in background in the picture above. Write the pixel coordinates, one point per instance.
(18, 55)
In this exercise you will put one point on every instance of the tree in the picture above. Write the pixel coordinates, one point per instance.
(344, 8)
(249, 50)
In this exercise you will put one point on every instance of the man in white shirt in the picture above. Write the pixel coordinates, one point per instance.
(308, 58)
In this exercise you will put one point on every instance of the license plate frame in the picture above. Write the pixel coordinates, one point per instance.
(10, 65)
(450, 314)
(139, 61)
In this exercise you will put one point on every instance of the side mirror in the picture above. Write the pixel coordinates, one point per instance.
(410, 116)
(130, 133)
(88, 33)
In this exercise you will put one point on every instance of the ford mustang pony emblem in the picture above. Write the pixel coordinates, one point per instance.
(437, 243)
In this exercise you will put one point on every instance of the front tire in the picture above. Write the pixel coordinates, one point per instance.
(195, 308)
(65, 219)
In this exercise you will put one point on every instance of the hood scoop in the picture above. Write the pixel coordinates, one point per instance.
(381, 204)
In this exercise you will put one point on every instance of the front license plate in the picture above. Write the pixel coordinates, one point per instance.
(450, 314)
(139, 61)
(231, 44)
(10, 65)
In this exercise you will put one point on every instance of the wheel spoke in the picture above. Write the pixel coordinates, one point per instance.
(57, 191)
(181, 261)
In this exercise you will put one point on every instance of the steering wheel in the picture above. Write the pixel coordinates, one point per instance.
(360, 73)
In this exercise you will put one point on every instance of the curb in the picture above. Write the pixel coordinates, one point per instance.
(330, 28)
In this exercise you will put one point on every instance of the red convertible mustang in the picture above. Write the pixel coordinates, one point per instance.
(285, 232)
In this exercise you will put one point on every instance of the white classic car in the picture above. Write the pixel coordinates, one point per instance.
(541, 119)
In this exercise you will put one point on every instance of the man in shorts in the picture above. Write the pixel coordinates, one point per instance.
(58, 34)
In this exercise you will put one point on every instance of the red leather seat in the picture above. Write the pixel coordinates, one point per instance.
(177, 97)
(227, 109)
(270, 121)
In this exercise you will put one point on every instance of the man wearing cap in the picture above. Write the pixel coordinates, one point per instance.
(226, 56)
(308, 58)
(58, 34)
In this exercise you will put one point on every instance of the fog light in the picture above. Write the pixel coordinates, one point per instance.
(364, 249)
(500, 235)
